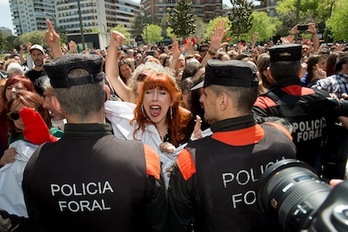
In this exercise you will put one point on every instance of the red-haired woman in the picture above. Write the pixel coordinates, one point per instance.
(29, 127)
(159, 105)
(12, 85)
(159, 119)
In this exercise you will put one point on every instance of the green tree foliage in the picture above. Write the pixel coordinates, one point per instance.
(169, 33)
(316, 11)
(34, 37)
(123, 30)
(137, 25)
(264, 26)
(152, 34)
(241, 17)
(212, 25)
(182, 19)
(201, 27)
(5, 38)
(339, 21)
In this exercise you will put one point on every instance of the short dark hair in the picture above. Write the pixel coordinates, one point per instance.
(203, 45)
(282, 69)
(342, 59)
(243, 98)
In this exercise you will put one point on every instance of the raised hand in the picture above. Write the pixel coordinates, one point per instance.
(52, 39)
(117, 39)
(72, 46)
(217, 36)
(197, 131)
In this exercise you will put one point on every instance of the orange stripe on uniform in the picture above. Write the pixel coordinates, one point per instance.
(186, 164)
(152, 162)
(242, 137)
(264, 102)
(280, 127)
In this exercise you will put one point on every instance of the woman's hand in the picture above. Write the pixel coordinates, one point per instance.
(197, 132)
(167, 147)
(8, 156)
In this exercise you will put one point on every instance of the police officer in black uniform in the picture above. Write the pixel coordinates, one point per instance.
(308, 110)
(213, 184)
(89, 180)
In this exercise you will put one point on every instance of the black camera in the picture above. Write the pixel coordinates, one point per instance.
(303, 27)
(290, 192)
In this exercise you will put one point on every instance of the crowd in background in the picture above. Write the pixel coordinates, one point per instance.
(130, 80)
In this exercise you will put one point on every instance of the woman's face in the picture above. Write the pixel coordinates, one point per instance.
(12, 89)
(126, 71)
(16, 106)
(156, 104)
(322, 63)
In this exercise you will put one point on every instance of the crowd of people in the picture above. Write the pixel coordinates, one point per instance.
(170, 138)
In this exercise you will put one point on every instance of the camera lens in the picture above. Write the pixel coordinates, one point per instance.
(291, 192)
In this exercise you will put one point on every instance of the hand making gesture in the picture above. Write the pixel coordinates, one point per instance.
(52, 39)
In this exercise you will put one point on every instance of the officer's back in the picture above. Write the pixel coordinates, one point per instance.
(307, 110)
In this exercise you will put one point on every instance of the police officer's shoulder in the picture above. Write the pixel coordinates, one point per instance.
(186, 163)
(152, 162)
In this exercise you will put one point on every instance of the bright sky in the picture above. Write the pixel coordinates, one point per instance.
(6, 20)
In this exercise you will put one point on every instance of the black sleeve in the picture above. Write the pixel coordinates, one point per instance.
(181, 206)
(156, 205)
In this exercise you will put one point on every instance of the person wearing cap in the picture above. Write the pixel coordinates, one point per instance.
(308, 110)
(37, 54)
(213, 183)
(90, 180)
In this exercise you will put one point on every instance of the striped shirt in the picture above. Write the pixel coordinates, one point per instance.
(337, 84)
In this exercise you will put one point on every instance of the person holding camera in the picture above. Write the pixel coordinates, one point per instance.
(307, 48)
(308, 110)
(213, 183)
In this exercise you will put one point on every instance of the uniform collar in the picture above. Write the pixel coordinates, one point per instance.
(286, 81)
(240, 131)
(86, 130)
(233, 123)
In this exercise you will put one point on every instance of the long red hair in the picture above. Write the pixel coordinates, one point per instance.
(177, 120)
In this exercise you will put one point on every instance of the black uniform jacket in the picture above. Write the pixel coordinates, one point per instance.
(213, 184)
(308, 110)
(92, 181)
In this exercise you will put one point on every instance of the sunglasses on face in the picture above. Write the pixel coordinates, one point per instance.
(13, 116)
(141, 77)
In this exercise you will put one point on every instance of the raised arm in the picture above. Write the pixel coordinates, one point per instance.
(313, 30)
(215, 41)
(52, 39)
(175, 54)
(111, 67)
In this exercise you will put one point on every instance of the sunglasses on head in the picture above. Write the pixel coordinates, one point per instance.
(141, 77)
(13, 116)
